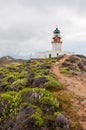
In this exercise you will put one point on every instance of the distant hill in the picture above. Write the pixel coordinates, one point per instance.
(8, 59)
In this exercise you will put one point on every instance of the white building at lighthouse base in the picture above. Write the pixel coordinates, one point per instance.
(46, 54)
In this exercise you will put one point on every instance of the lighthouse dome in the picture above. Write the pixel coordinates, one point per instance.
(56, 31)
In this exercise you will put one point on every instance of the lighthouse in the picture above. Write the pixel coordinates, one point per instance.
(56, 49)
(56, 43)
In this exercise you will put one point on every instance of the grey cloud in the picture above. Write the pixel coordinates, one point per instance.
(45, 4)
(26, 26)
(80, 4)
(15, 33)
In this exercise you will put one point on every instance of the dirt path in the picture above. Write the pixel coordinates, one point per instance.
(74, 84)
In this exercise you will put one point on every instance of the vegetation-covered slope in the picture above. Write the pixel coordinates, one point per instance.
(71, 72)
(28, 99)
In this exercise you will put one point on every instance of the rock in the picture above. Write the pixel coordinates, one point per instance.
(39, 82)
(11, 80)
(30, 79)
(63, 122)
(1, 76)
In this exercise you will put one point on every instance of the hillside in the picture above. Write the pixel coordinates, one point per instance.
(71, 72)
(39, 94)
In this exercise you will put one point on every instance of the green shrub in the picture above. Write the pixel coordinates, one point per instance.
(48, 100)
(42, 98)
(18, 84)
(52, 83)
(44, 95)
(38, 119)
(65, 71)
(10, 103)
(5, 84)
(41, 72)
(64, 100)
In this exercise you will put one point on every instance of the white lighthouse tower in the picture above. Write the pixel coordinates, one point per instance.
(56, 43)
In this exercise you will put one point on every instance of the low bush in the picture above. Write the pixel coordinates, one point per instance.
(41, 98)
(65, 71)
(17, 85)
(52, 83)
(37, 116)
(9, 103)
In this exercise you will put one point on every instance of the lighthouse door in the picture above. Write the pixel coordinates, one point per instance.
(50, 55)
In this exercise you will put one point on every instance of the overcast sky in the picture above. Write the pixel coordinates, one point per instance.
(26, 26)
